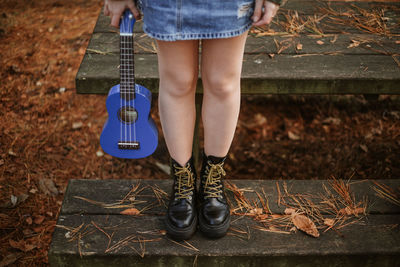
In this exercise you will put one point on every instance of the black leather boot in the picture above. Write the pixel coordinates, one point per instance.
(181, 219)
(214, 212)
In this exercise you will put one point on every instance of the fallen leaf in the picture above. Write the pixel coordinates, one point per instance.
(364, 148)
(29, 220)
(77, 125)
(293, 136)
(262, 216)
(12, 153)
(304, 224)
(329, 222)
(354, 43)
(14, 200)
(132, 211)
(256, 211)
(48, 187)
(259, 119)
(332, 120)
(39, 219)
(357, 211)
(21, 245)
(289, 211)
(351, 211)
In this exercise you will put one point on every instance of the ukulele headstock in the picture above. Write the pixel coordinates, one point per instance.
(127, 22)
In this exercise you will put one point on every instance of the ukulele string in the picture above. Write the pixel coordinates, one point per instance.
(125, 85)
(134, 86)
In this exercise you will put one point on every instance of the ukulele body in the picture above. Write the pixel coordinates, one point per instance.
(143, 130)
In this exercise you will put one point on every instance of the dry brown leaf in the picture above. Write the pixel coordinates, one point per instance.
(29, 220)
(289, 211)
(304, 224)
(329, 222)
(354, 43)
(256, 211)
(293, 136)
(48, 187)
(131, 211)
(262, 216)
(351, 211)
(21, 245)
(357, 211)
(39, 219)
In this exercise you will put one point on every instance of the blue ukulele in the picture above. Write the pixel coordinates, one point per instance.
(129, 131)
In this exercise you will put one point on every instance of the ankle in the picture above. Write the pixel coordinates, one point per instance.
(213, 159)
(181, 163)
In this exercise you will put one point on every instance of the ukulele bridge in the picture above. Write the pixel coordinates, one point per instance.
(128, 145)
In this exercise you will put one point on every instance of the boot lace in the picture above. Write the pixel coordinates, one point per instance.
(213, 184)
(185, 182)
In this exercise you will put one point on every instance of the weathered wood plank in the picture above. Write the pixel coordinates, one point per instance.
(305, 8)
(113, 191)
(372, 242)
(104, 43)
(283, 74)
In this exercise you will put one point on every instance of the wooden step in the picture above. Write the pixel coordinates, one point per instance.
(337, 57)
(92, 231)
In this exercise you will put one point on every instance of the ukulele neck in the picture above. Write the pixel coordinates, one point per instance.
(127, 67)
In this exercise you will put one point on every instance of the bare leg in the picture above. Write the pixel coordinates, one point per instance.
(178, 68)
(221, 69)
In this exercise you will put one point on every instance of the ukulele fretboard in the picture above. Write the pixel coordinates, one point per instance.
(127, 67)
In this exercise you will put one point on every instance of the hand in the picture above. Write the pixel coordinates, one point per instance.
(262, 17)
(115, 9)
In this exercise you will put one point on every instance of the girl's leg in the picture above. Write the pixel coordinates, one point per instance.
(221, 69)
(178, 70)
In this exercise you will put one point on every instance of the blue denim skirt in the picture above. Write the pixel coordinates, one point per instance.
(171, 20)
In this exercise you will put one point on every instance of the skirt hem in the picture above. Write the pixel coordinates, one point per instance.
(196, 36)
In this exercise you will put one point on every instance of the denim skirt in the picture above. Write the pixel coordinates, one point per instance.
(171, 20)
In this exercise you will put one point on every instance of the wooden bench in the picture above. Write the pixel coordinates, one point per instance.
(91, 231)
(334, 58)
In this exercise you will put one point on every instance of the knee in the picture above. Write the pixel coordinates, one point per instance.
(221, 87)
(179, 85)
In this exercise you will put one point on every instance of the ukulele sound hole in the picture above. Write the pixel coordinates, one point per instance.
(127, 115)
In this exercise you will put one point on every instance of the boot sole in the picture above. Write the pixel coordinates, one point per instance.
(214, 231)
(181, 233)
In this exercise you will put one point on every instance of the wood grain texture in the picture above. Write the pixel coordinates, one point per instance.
(373, 240)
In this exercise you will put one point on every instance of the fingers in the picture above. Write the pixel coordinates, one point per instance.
(257, 11)
(270, 10)
(115, 19)
(132, 7)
